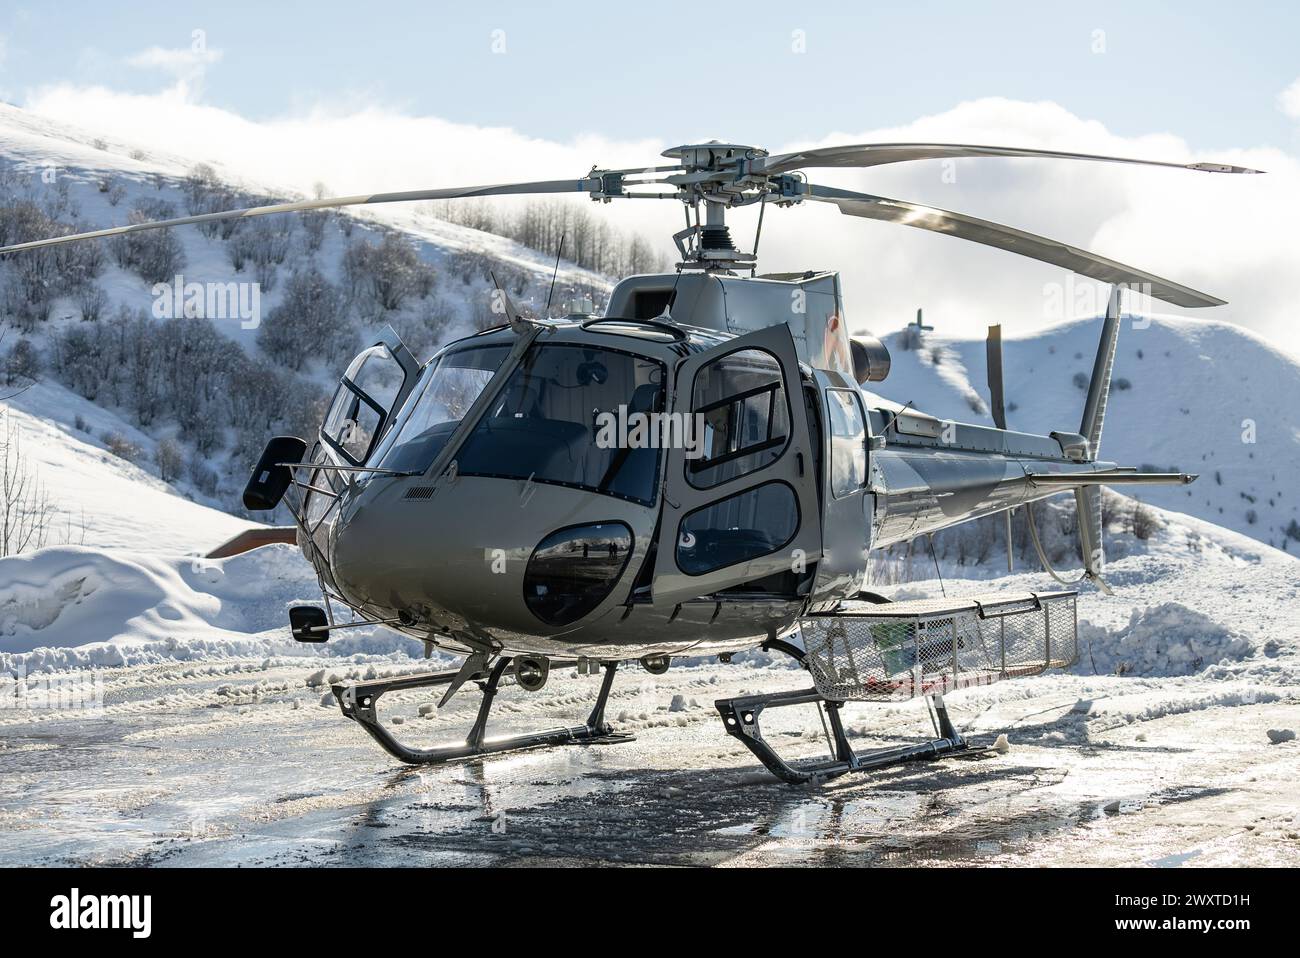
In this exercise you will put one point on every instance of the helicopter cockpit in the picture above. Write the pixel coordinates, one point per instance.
(569, 473)
(543, 425)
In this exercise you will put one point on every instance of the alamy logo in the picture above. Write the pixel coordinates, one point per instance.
(179, 299)
(652, 430)
(70, 912)
(51, 690)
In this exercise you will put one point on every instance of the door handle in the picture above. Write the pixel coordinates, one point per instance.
(798, 457)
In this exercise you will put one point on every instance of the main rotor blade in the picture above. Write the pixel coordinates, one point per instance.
(879, 154)
(1010, 239)
(451, 193)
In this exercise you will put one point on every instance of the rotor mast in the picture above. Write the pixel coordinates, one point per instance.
(714, 174)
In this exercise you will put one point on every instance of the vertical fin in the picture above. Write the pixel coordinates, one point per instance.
(1087, 499)
(1094, 409)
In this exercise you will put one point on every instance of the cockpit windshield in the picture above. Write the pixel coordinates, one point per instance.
(573, 415)
(443, 396)
(568, 414)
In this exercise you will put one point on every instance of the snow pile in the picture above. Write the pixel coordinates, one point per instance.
(1163, 640)
(74, 607)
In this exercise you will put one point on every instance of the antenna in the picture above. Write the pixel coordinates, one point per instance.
(898, 413)
(558, 253)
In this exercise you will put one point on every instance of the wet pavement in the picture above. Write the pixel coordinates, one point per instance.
(241, 764)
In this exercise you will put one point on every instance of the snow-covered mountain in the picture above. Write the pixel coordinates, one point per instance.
(1197, 396)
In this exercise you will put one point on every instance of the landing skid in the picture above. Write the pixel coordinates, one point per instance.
(359, 702)
(741, 717)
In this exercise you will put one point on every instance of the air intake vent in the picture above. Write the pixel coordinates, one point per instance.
(418, 492)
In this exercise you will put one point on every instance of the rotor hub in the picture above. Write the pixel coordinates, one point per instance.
(713, 155)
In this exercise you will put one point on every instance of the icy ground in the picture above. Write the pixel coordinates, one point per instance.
(213, 744)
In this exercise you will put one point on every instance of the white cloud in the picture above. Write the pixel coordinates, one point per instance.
(179, 60)
(1288, 100)
(1231, 236)
(187, 64)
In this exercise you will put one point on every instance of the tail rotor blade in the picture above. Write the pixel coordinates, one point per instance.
(993, 369)
(993, 365)
(1092, 547)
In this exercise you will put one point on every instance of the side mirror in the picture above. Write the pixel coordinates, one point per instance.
(269, 482)
(309, 623)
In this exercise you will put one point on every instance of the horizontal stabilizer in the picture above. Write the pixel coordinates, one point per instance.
(1109, 477)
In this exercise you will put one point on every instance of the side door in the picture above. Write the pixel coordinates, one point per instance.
(740, 498)
(372, 389)
(375, 385)
(846, 503)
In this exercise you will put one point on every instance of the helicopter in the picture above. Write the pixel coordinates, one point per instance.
(700, 470)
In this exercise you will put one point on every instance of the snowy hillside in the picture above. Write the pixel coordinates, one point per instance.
(108, 365)
(41, 145)
(98, 498)
(1196, 396)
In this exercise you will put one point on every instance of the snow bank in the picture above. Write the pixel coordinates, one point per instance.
(76, 607)
(1163, 640)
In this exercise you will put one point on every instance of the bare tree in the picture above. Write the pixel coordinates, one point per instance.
(156, 255)
(25, 508)
(171, 460)
(1143, 523)
(590, 242)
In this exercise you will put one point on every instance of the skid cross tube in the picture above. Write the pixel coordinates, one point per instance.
(741, 718)
(359, 701)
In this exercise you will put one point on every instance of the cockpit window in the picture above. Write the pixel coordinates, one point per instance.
(848, 442)
(443, 396)
(362, 403)
(746, 419)
(568, 415)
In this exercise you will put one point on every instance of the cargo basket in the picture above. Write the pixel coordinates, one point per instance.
(897, 650)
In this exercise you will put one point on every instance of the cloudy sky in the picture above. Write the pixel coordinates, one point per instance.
(397, 95)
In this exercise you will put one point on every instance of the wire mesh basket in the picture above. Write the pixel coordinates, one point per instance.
(897, 650)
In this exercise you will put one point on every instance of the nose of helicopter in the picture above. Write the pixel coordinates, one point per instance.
(491, 553)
